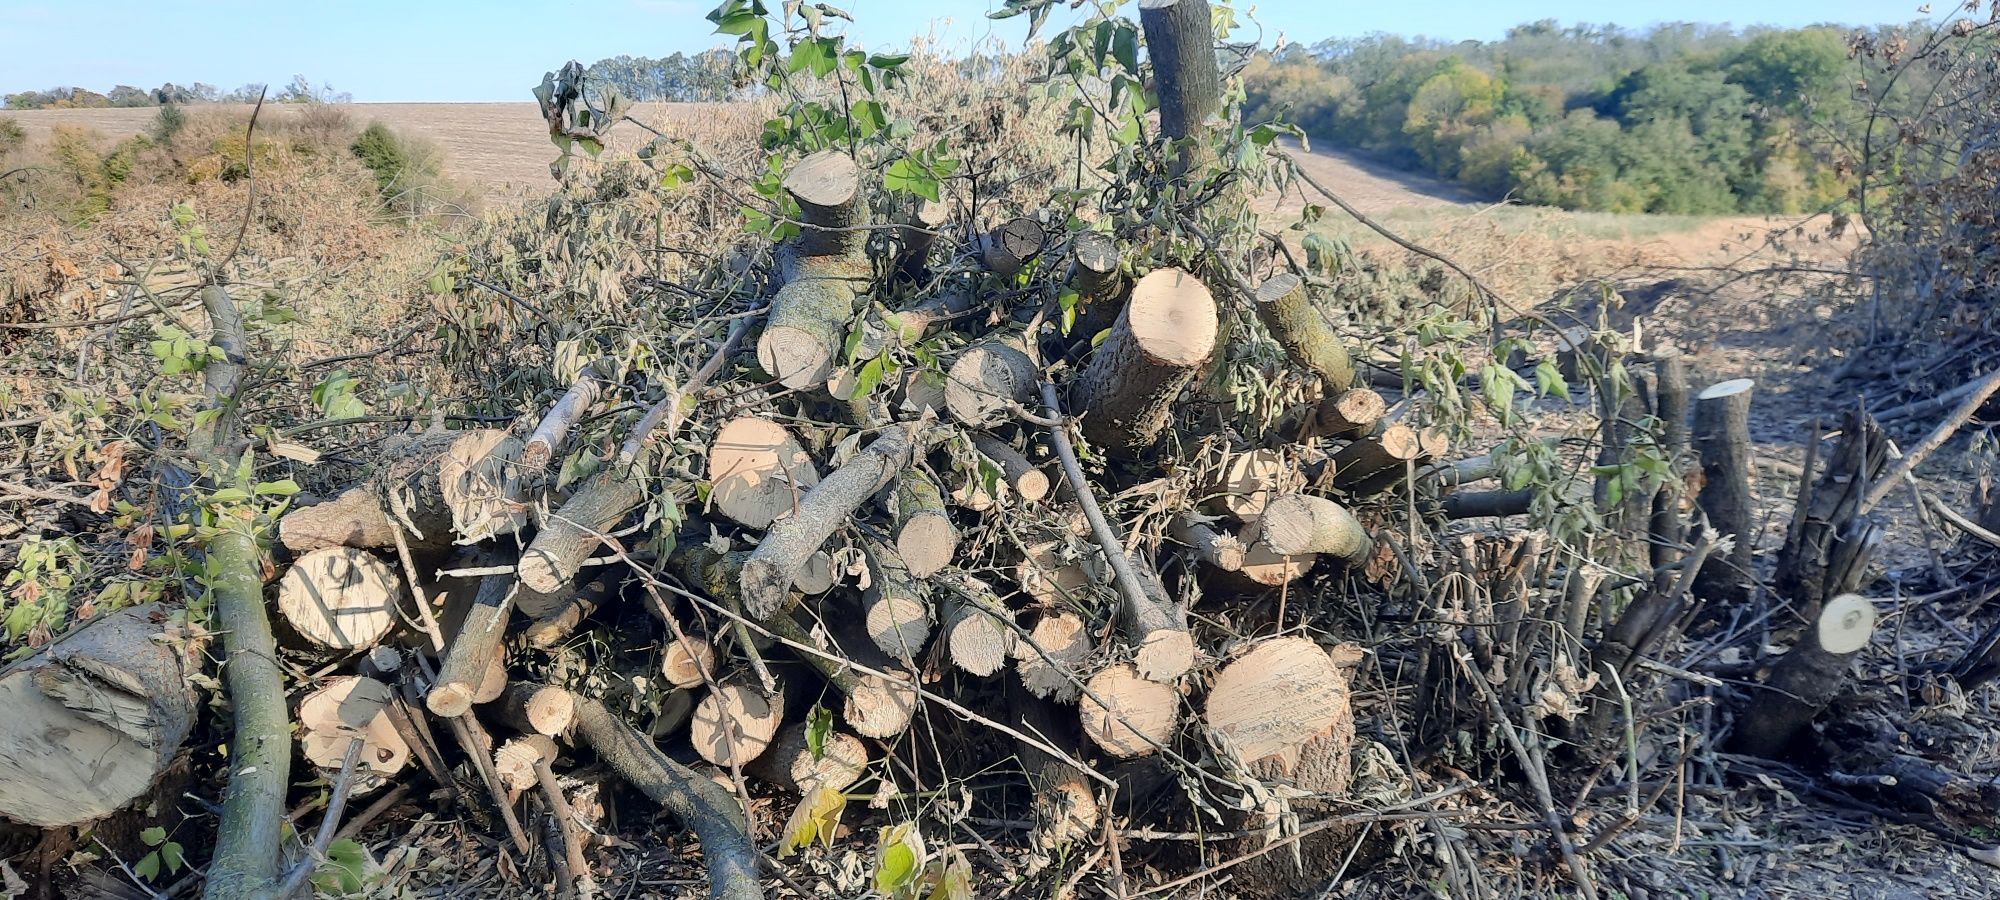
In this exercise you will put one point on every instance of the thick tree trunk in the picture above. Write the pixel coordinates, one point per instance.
(1180, 41)
(93, 719)
(570, 535)
(439, 487)
(1163, 337)
(1722, 437)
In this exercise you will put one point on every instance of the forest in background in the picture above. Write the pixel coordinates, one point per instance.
(1679, 118)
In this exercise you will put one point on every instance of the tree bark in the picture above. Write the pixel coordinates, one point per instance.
(93, 719)
(925, 535)
(1163, 337)
(1180, 41)
(1287, 310)
(772, 567)
(1722, 436)
(1826, 549)
(808, 320)
(1805, 680)
(474, 649)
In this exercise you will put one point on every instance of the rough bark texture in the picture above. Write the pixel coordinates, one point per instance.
(1163, 337)
(700, 804)
(93, 719)
(569, 536)
(808, 318)
(1093, 272)
(1805, 680)
(1008, 249)
(771, 568)
(1722, 437)
(439, 487)
(1066, 810)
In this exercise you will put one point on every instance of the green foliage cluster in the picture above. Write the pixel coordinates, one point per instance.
(399, 163)
(679, 78)
(1682, 118)
(96, 175)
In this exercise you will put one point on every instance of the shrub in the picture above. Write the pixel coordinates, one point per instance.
(168, 122)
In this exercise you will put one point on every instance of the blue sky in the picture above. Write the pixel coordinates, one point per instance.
(466, 50)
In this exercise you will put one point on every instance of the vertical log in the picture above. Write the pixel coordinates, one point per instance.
(809, 314)
(1288, 311)
(1180, 41)
(1722, 436)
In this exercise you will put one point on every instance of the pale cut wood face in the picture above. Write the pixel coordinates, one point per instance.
(1173, 317)
(1275, 699)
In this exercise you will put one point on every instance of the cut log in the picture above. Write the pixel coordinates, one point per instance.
(1360, 464)
(734, 723)
(1218, 549)
(808, 318)
(1180, 42)
(757, 471)
(441, 486)
(341, 709)
(557, 615)
(547, 439)
(465, 673)
(1481, 504)
(989, 378)
(1805, 680)
(826, 186)
(926, 539)
(1264, 567)
(1023, 478)
(1093, 272)
(816, 576)
(1155, 628)
(94, 718)
(977, 637)
(874, 706)
(769, 573)
(896, 610)
(1137, 717)
(1065, 806)
(1066, 641)
(1299, 524)
(570, 535)
(688, 661)
(1163, 337)
(515, 761)
(1287, 310)
(341, 599)
(1284, 704)
(534, 708)
(1008, 249)
(791, 764)
(1248, 481)
(1350, 413)
(1722, 437)
(919, 320)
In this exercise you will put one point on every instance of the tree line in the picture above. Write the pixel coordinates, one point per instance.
(705, 76)
(300, 90)
(1679, 118)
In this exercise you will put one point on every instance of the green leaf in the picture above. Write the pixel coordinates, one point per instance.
(899, 859)
(154, 836)
(346, 863)
(888, 61)
(908, 175)
(148, 867)
(817, 817)
(229, 495)
(171, 852)
(819, 724)
(870, 377)
(283, 488)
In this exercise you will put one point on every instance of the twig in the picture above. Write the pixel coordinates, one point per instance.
(672, 403)
(572, 843)
(1932, 441)
(1129, 586)
(329, 823)
(250, 176)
